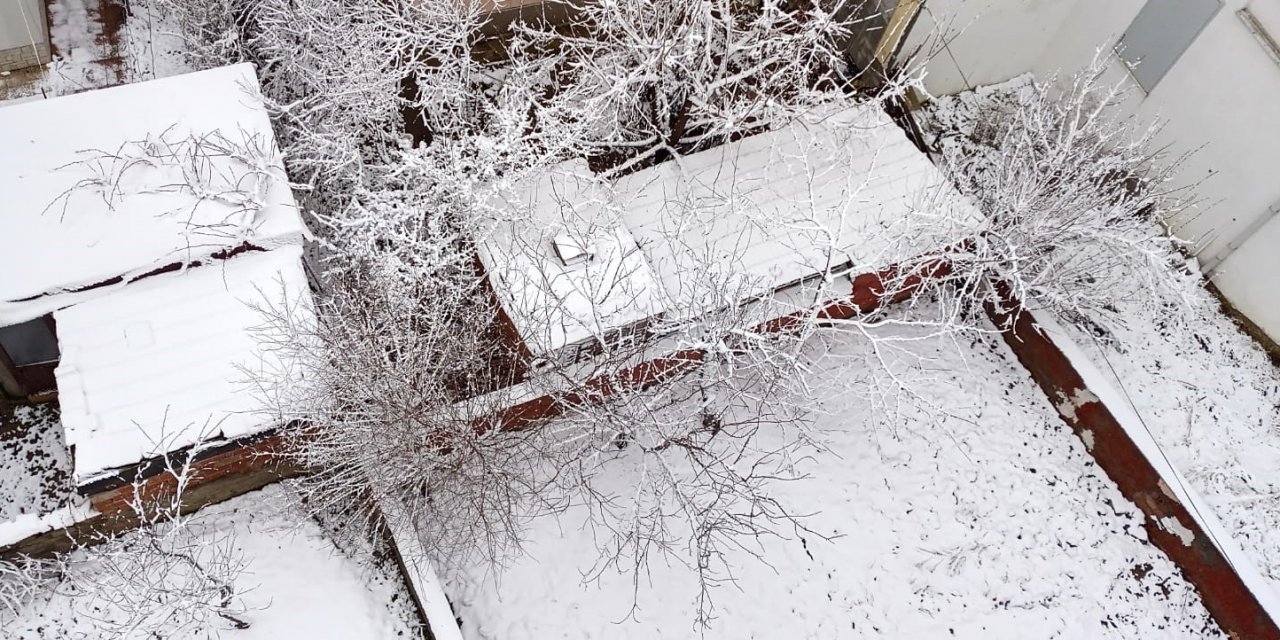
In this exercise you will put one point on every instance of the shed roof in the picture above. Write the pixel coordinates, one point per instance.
(119, 181)
(781, 206)
(551, 302)
(165, 362)
(827, 194)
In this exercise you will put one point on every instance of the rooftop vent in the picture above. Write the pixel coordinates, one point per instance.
(573, 250)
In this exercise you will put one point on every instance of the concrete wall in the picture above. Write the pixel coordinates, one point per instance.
(988, 41)
(22, 21)
(1220, 100)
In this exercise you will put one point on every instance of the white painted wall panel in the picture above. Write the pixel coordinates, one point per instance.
(21, 21)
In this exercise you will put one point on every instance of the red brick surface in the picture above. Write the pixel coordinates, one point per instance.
(867, 295)
(261, 454)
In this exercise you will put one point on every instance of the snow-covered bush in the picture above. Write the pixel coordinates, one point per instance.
(1073, 193)
(662, 78)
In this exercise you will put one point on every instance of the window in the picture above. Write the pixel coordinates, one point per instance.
(28, 356)
(29, 343)
(1160, 34)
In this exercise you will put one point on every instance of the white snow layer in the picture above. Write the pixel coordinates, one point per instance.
(297, 584)
(1200, 397)
(821, 194)
(985, 518)
(780, 206)
(79, 208)
(165, 362)
(1117, 401)
(553, 303)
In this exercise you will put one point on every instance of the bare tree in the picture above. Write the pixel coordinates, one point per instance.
(171, 577)
(402, 362)
(233, 173)
(644, 81)
(407, 380)
(1073, 193)
(401, 379)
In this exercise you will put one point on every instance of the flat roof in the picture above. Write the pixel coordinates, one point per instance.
(605, 284)
(826, 194)
(80, 206)
(781, 206)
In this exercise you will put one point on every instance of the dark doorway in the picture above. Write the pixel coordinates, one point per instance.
(29, 353)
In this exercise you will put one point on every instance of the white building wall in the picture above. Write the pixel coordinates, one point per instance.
(24, 35)
(1221, 100)
(990, 41)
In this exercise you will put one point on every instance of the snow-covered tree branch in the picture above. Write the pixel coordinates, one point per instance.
(171, 576)
(472, 261)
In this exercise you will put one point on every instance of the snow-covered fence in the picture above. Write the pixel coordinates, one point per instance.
(217, 472)
(1233, 591)
(419, 575)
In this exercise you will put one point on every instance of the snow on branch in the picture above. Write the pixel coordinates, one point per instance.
(1073, 193)
(219, 184)
(171, 576)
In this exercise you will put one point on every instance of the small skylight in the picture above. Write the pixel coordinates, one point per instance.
(573, 250)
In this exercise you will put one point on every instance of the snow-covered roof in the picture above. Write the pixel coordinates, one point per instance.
(781, 206)
(119, 181)
(163, 363)
(563, 265)
(718, 226)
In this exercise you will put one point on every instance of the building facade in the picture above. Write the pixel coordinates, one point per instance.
(24, 34)
(1209, 70)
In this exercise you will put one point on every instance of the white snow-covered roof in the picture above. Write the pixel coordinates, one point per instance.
(839, 189)
(563, 265)
(784, 205)
(163, 363)
(97, 185)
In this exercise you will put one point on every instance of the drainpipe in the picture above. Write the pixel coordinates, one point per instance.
(26, 22)
(899, 26)
(1272, 47)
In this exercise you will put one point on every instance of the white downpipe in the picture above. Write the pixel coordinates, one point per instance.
(1212, 265)
(26, 22)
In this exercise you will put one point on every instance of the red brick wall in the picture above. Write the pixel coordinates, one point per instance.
(867, 295)
(261, 455)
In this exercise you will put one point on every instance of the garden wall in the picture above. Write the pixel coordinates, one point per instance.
(217, 474)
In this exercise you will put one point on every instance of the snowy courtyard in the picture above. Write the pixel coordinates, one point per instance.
(980, 516)
(296, 583)
(534, 319)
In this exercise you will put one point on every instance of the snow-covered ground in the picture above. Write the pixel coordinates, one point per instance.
(982, 517)
(95, 49)
(1204, 390)
(1211, 399)
(36, 493)
(35, 465)
(298, 584)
